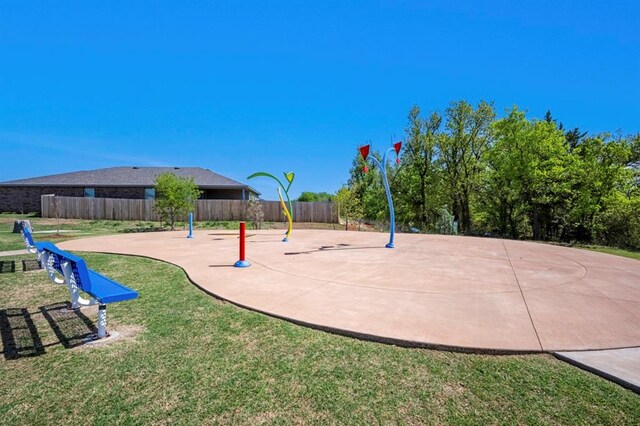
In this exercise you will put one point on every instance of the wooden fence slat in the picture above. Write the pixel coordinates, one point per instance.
(206, 210)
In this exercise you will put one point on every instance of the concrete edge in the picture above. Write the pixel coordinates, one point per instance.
(598, 372)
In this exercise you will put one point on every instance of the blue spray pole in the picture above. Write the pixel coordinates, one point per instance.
(190, 226)
(392, 217)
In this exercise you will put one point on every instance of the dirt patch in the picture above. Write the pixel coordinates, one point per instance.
(121, 333)
(54, 221)
(56, 236)
(40, 221)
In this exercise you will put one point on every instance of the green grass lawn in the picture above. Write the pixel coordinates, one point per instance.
(188, 358)
(90, 228)
(615, 251)
(80, 228)
(75, 228)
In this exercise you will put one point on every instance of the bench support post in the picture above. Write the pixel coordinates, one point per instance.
(75, 296)
(47, 261)
(77, 301)
(102, 321)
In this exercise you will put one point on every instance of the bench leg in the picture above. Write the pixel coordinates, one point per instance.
(102, 321)
(47, 263)
(78, 301)
(75, 296)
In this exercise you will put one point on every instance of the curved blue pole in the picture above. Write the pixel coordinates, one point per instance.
(392, 216)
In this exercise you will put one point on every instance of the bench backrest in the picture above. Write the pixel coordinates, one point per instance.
(78, 265)
(26, 235)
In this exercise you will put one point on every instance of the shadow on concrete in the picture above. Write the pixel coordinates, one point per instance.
(20, 338)
(337, 247)
(72, 327)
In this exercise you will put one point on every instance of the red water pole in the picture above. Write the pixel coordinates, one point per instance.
(243, 233)
(242, 263)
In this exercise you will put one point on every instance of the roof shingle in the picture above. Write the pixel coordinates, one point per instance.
(128, 176)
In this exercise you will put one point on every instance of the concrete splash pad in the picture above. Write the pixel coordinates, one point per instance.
(434, 291)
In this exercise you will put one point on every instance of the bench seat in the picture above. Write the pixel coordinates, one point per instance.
(105, 290)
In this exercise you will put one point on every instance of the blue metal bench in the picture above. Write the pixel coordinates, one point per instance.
(32, 247)
(78, 277)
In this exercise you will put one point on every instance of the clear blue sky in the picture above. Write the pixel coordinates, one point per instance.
(239, 86)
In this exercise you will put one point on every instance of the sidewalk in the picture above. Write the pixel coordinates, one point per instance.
(618, 365)
(13, 253)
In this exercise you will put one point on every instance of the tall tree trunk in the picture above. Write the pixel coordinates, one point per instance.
(465, 212)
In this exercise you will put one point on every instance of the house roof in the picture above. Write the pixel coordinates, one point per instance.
(130, 176)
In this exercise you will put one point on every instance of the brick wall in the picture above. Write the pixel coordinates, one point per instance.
(27, 198)
(129, 193)
(222, 194)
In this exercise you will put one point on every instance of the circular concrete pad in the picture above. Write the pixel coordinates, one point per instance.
(431, 290)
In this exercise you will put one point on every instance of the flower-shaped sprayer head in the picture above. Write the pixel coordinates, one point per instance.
(397, 146)
(364, 151)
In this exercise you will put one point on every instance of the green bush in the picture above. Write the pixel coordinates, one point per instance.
(619, 225)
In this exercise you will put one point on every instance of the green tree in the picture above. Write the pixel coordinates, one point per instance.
(634, 165)
(462, 150)
(255, 211)
(619, 224)
(349, 206)
(175, 196)
(315, 197)
(601, 172)
(634, 146)
(548, 180)
(418, 190)
(548, 117)
(502, 200)
(368, 188)
(574, 137)
(517, 177)
(528, 181)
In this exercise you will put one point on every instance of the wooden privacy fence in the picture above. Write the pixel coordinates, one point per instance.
(125, 209)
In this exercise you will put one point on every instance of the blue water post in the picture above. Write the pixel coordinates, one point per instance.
(364, 151)
(190, 226)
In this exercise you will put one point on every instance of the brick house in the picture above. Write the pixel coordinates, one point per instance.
(23, 195)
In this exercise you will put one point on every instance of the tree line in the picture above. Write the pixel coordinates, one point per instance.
(468, 171)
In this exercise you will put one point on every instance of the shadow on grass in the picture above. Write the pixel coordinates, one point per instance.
(72, 327)
(7, 266)
(20, 336)
(30, 265)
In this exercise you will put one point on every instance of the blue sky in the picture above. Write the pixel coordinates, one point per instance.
(240, 86)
